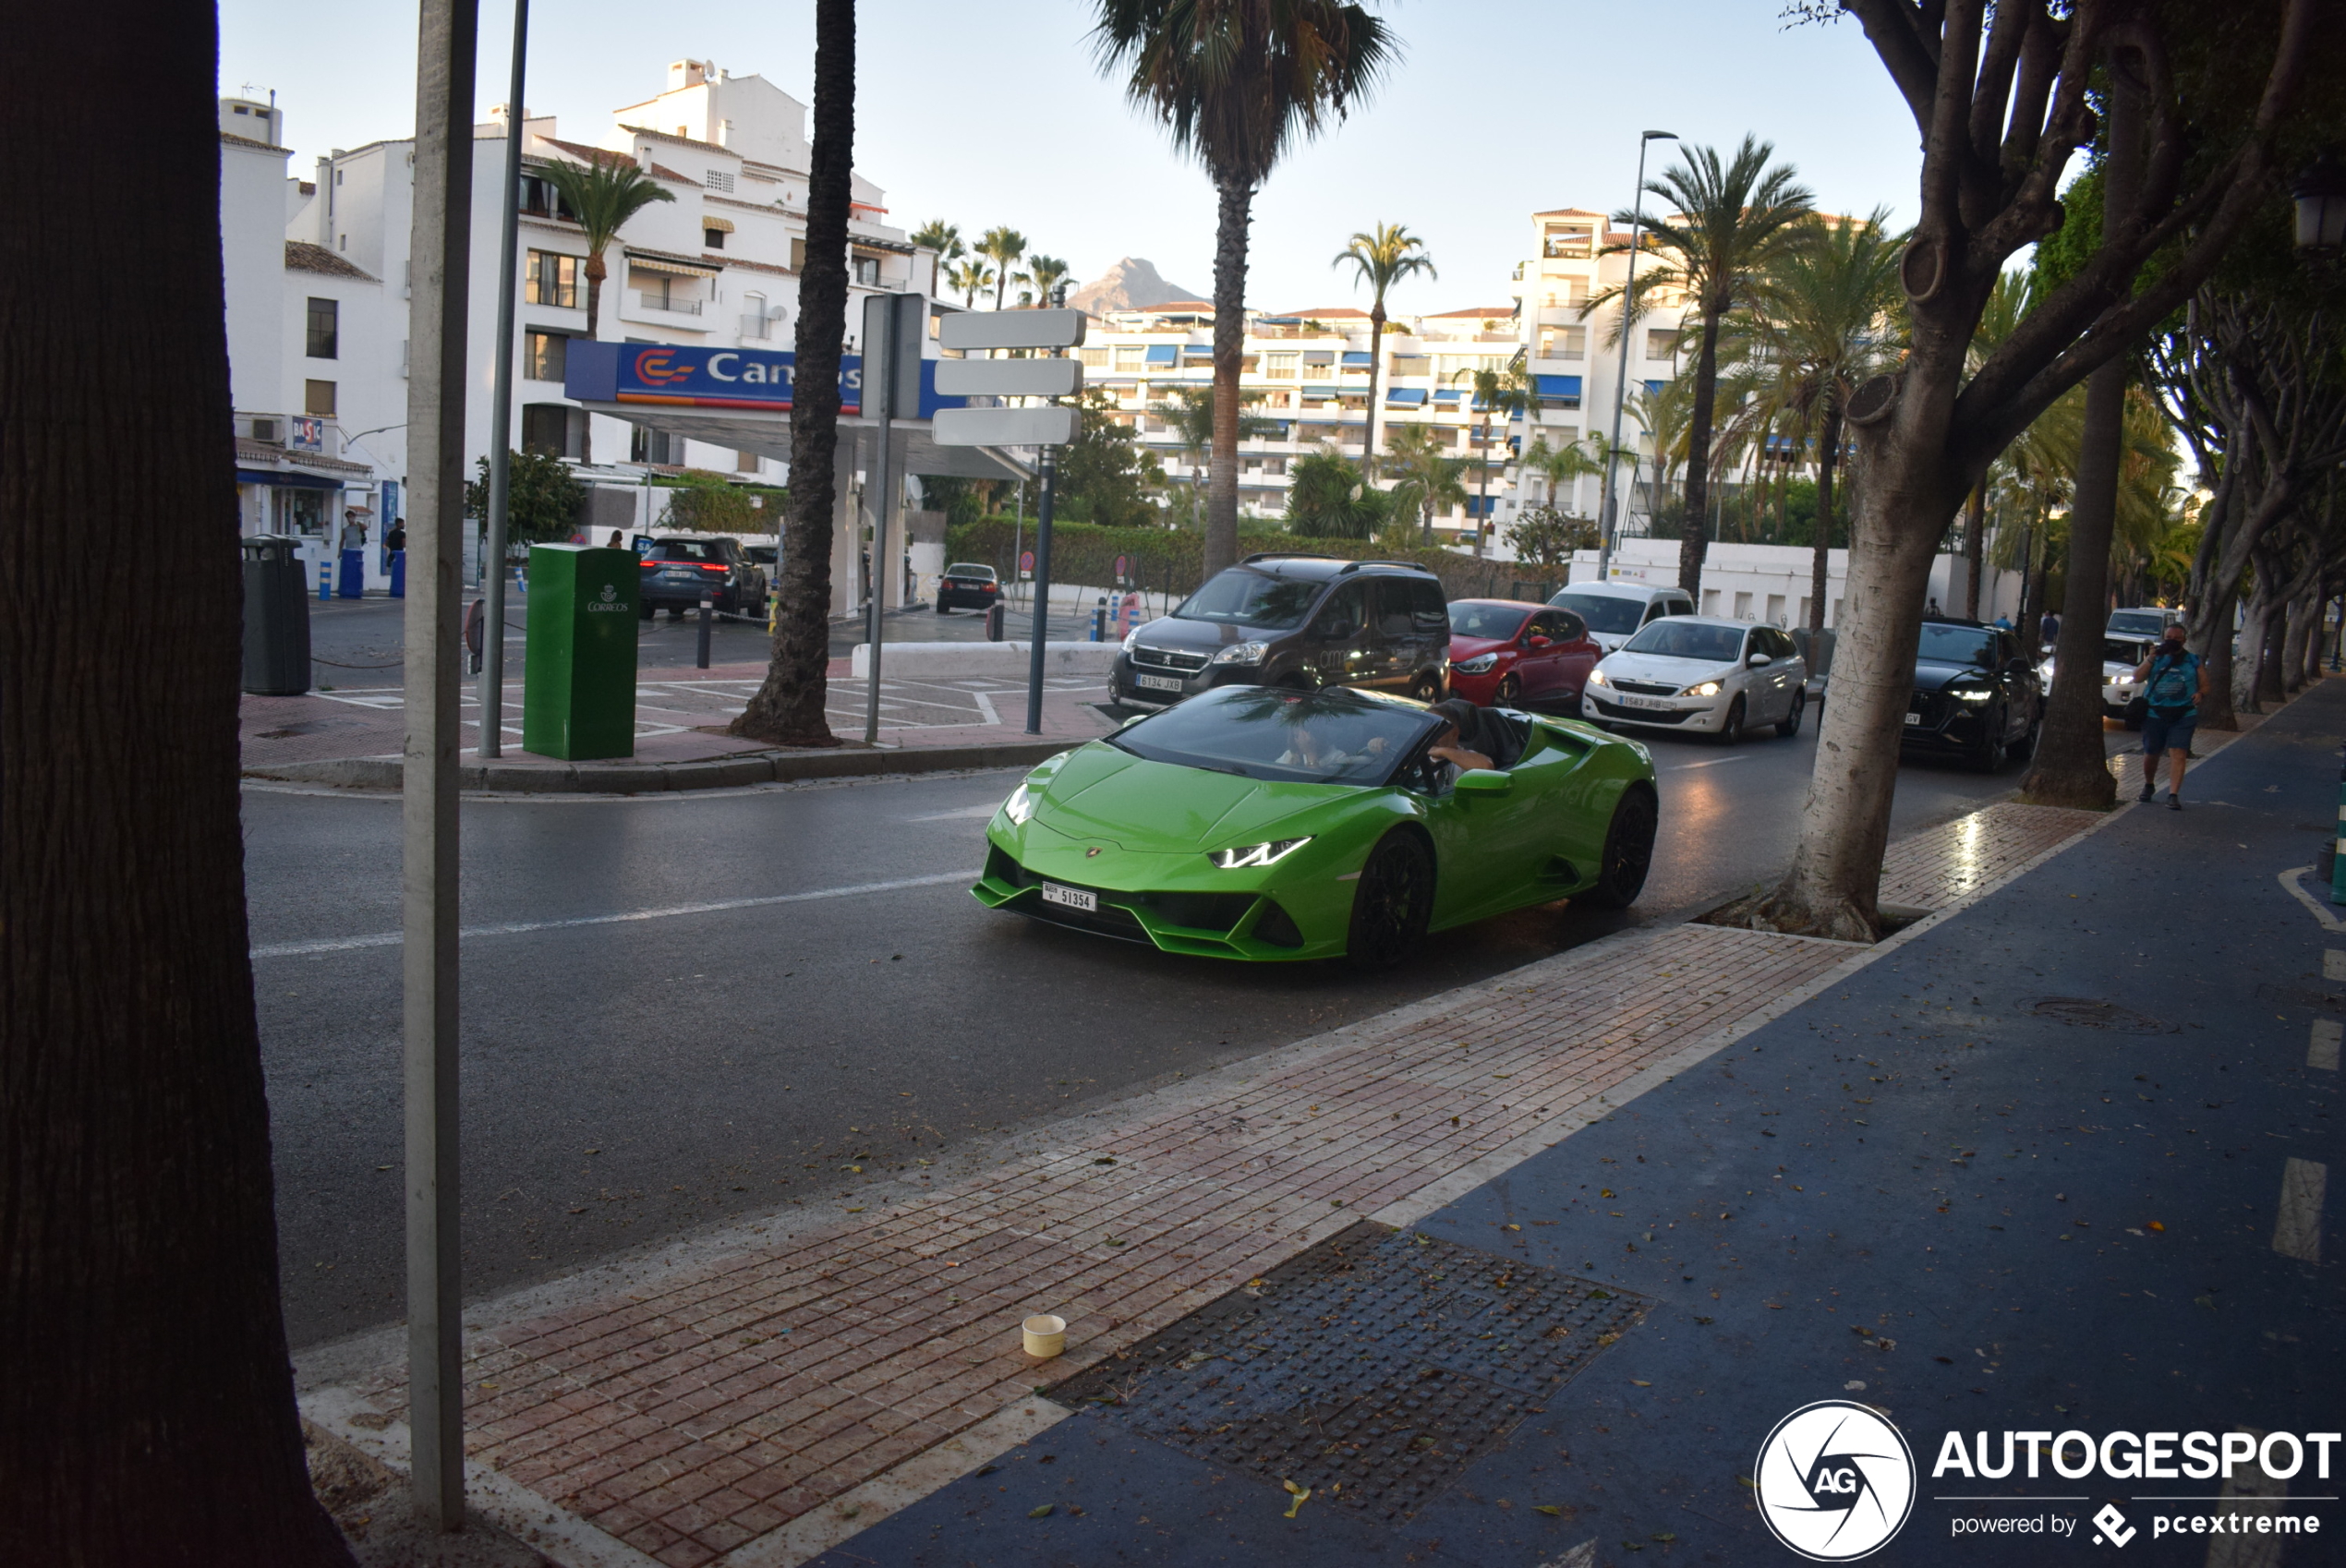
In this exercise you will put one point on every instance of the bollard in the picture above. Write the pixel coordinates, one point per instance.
(707, 618)
(1099, 620)
(325, 577)
(994, 616)
(2337, 868)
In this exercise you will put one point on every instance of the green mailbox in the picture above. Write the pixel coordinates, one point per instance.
(578, 687)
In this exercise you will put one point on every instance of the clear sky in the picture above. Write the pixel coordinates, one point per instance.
(996, 114)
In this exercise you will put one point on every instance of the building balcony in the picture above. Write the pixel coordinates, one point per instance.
(666, 305)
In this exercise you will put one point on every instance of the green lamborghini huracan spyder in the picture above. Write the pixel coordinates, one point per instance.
(1255, 821)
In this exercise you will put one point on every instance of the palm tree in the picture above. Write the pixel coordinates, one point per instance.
(1562, 465)
(1190, 410)
(1823, 319)
(2008, 303)
(1381, 258)
(1728, 224)
(602, 195)
(1497, 390)
(1238, 82)
(1327, 499)
(788, 708)
(1044, 274)
(970, 277)
(942, 237)
(1003, 246)
(1428, 478)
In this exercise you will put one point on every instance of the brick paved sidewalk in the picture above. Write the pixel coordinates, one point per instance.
(752, 1406)
(678, 714)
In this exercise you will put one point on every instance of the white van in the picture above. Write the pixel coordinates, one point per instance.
(1615, 610)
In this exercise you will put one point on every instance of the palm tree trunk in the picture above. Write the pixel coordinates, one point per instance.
(147, 1415)
(2072, 766)
(788, 709)
(1237, 203)
(595, 272)
(1694, 537)
(1975, 547)
(1820, 551)
(1376, 369)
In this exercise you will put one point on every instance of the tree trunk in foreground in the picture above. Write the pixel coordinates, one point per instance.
(1237, 207)
(1376, 369)
(1975, 549)
(788, 709)
(147, 1410)
(2071, 764)
(1694, 537)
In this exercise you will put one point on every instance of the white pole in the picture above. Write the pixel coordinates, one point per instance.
(500, 418)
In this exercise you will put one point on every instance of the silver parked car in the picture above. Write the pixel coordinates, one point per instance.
(1704, 673)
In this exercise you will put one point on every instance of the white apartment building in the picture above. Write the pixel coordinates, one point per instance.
(318, 350)
(1308, 372)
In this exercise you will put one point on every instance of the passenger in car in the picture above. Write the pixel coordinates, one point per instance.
(1456, 743)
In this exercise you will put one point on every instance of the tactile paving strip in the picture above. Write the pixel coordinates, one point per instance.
(1371, 1368)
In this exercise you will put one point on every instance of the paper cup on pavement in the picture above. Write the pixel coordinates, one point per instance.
(1046, 1335)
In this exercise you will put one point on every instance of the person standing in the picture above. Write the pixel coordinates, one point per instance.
(2049, 629)
(353, 580)
(2174, 679)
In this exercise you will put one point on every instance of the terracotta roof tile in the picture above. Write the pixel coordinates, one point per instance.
(303, 257)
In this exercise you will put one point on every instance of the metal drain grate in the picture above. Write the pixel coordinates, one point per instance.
(2094, 1014)
(1372, 1369)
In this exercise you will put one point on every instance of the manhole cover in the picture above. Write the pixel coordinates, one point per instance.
(1372, 1369)
(2094, 1014)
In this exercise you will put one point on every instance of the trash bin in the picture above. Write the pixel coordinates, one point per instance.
(276, 617)
(578, 685)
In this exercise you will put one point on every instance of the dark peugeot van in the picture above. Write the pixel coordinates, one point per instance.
(1300, 621)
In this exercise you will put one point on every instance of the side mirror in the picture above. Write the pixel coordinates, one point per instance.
(1484, 781)
(1760, 661)
(1535, 642)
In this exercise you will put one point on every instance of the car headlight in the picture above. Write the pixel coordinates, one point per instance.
(1242, 653)
(1973, 694)
(1132, 637)
(1596, 678)
(1270, 853)
(1019, 806)
(1708, 689)
(1478, 665)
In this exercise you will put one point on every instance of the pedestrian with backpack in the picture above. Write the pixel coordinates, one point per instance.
(2174, 679)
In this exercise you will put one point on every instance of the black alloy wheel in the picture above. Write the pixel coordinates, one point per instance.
(1732, 730)
(1628, 851)
(1510, 692)
(1391, 904)
(1789, 724)
(1427, 687)
(2026, 747)
(1987, 754)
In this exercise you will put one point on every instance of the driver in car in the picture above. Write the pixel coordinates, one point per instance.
(1449, 746)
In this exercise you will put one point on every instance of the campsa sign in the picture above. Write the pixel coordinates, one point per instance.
(699, 377)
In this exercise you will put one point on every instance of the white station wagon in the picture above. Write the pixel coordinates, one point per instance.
(1702, 674)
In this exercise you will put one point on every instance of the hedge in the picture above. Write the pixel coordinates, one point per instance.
(1172, 559)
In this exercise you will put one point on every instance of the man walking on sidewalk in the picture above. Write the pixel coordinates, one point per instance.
(2176, 679)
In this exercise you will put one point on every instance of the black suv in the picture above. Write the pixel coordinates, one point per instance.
(1300, 621)
(679, 573)
(1977, 695)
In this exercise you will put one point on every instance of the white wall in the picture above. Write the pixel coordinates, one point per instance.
(252, 250)
(1772, 583)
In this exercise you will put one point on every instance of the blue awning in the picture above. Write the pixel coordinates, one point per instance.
(1411, 397)
(1447, 394)
(1559, 386)
(1653, 389)
(1197, 350)
(1323, 392)
(1354, 359)
(1483, 506)
(1162, 353)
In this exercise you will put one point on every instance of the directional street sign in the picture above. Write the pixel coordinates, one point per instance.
(1049, 426)
(1011, 328)
(1009, 377)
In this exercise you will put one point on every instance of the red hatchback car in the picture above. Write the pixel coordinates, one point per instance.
(1512, 653)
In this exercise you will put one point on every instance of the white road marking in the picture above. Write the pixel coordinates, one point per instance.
(961, 813)
(2297, 1229)
(520, 927)
(2321, 1046)
(2297, 891)
(2334, 964)
(1712, 762)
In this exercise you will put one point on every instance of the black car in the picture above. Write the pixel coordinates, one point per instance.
(1977, 695)
(967, 586)
(679, 573)
(1300, 621)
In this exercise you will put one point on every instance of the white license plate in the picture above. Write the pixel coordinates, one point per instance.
(1629, 701)
(1158, 683)
(1074, 898)
(1913, 718)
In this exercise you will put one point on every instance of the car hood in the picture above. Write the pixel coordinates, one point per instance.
(1106, 796)
(1665, 668)
(1932, 675)
(1204, 636)
(1475, 648)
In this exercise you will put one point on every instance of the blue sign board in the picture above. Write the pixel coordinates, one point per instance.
(691, 375)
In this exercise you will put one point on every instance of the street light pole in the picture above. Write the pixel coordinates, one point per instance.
(500, 418)
(1621, 377)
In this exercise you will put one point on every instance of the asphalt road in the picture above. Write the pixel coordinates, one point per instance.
(633, 1079)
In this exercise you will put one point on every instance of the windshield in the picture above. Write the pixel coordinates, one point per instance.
(969, 571)
(2149, 623)
(1243, 597)
(1958, 645)
(686, 550)
(1689, 639)
(1603, 612)
(1496, 622)
(2118, 650)
(1334, 736)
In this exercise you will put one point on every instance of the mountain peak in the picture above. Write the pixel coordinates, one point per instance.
(1131, 285)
